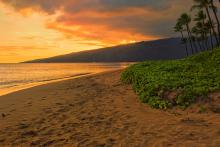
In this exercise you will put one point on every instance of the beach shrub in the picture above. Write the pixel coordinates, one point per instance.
(190, 78)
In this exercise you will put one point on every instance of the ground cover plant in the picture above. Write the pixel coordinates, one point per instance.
(163, 84)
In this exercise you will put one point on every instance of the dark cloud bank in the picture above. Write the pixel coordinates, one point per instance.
(145, 17)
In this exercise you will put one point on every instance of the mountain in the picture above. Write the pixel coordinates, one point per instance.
(162, 49)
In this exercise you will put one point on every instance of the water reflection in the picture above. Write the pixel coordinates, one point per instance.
(12, 75)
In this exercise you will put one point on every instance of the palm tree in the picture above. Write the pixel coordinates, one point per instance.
(204, 4)
(197, 35)
(200, 25)
(179, 28)
(209, 29)
(200, 16)
(185, 20)
(215, 11)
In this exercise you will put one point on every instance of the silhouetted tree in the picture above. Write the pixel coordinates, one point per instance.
(205, 4)
(185, 20)
(206, 29)
(200, 19)
(209, 28)
(179, 28)
(197, 37)
(215, 11)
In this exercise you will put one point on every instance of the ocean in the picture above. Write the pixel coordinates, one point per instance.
(18, 76)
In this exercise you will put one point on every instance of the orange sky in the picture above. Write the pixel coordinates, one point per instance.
(40, 29)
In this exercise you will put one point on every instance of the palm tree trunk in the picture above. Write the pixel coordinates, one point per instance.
(216, 17)
(195, 45)
(187, 53)
(213, 29)
(190, 40)
(205, 39)
(200, 46)
(206, 44)
(212, 44)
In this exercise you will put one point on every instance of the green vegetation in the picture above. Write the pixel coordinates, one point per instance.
(164, 84)
(187, 79)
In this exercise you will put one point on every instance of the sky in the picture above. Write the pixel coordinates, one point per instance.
(32, 29)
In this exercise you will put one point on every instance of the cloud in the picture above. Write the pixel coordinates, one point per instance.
(109, 20)
(161, 4)
(51, 6)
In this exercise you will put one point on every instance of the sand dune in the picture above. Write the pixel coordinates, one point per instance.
(100, 111)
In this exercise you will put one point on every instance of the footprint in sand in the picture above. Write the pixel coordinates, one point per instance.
(2, 140)
(30, 133)
(13, 110)
(189, 121)
(23, 126)
(59, 104)
(41, 121)
(3, 115)
(43, 98)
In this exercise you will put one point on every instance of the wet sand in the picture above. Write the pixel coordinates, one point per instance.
(99, 110)
(8, 90)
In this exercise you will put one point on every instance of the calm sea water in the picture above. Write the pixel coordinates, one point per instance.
(12, 75)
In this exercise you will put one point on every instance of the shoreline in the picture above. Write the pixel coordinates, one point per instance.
(17, 88)
(98, 110)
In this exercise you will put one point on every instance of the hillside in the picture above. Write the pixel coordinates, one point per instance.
(163, 84)
(150, 50)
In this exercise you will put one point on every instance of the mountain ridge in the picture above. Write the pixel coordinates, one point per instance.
(162, 49)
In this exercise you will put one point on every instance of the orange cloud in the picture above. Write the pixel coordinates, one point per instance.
(148, 18)
(62, 26)
(98, 33)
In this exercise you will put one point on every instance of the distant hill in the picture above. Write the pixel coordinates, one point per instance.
(147, 50)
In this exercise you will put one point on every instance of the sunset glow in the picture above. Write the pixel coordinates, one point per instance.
(41, 29)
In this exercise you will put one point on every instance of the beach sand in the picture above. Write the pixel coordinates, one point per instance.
(99, 110)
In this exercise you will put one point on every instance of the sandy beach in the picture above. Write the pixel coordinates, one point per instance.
(99, 110)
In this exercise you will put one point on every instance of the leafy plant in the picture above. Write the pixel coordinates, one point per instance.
(190, 78)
